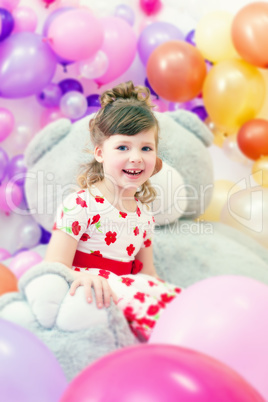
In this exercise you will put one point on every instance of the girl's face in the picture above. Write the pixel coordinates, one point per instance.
(128, 161)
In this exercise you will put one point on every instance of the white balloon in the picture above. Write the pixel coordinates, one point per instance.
(73, 104)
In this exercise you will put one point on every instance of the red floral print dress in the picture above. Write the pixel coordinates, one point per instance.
(104, 231)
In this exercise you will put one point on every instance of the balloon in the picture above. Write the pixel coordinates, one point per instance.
(160, 105)
(260, 171)
(201, 112)
(25, 19)
(233, 93)
(70, 84)
(92, 109)
(154, 35)
(28, 234)
(45, 236)
(147, 84)
(17, 169)
(27, 65)
(29, 371)
(23, 261)
(48, 2)
(185, 105)
(3, 163)
(190, 37)
(8, 282)
(252, 138)
(158, 373)
(119, 45)
(7, 23)
(227, 322)
(75, 35)
(249, 33)
(4, 254)
(94, 67)
(247, 211)
(50, 115)
(150, 7)
(231, 149)
(94, 100)
(7, 123)
(176, 71)
(10, 196)
(21, 138)
(220, 133)
(213, 36)
(222, 190)
(50, 95)
(73, 105)
(9, 4)
(125, 12)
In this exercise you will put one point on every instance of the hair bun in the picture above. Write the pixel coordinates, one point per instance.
(125, 91)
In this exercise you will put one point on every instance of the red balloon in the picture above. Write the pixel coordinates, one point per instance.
(252, 138)
(176, 71)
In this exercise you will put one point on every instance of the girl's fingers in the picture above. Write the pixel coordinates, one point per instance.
(107, 293)
(88, 292)
(74, 286)
(98, 292)
(114, 297)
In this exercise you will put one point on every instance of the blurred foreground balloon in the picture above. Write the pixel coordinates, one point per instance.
(247, 211)
(28, 369)
(176, 71)
(8, 282)
(161, 373)
(23, 261)
(4, 254)
(249, 33)
(233, 93)
(27, 65)
(252, 138)
(228, 321)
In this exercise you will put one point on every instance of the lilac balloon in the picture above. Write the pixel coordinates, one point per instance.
(10, 196)
(27, 65)
(201, 112)
(92, 109)
(154, 35)
(147, 84)
(94, 100)
(3, 163)
(190, 37)
(17, 169)
(70, 84)
(29, 234)
(126, 13)
(50, 96)
(7, 23)
(29, 371)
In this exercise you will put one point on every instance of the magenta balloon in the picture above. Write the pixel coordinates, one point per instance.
(3, 163)
(154, 35)
(150, 7)
(10, 196)
(76, 34)
(17, 169)
(227, 320)
(7, 123)
(23, 261)
(29, 371)
(27, 65)
(119, 45)
(50, 95)
(159, 373)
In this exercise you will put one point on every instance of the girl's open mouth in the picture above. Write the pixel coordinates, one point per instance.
(133, 172)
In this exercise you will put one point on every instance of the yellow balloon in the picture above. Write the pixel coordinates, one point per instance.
(213, 36)
(220, 134)
(221, 191)
(260, 171)
(233, 93)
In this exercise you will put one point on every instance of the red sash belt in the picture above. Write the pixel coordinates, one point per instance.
(85, 260)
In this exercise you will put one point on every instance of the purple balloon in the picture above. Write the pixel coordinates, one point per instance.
(154, 35)
(46, 26)
(27, 65)
(45, 236)
(50, 96)
(3, 163)
(147, 84)
(7, 23)
(94, 100)
(17, 169)
(125, 12)
(201, 112)
(70, 84)
(29, 371)
(190, 37)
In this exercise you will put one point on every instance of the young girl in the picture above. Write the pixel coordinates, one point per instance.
(104, 231)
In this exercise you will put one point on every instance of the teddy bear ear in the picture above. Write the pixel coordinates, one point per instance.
(191, 122)
(158, 166)
(45, 140)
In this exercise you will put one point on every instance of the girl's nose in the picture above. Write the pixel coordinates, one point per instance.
(135, 156)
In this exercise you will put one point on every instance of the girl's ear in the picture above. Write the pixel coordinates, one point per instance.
(98, 154)
(158, 166)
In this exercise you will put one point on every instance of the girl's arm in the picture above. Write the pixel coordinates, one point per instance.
(145, 255)
(61, 248)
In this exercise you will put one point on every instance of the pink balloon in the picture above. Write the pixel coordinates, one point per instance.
(25, 19)
(158, 373)
(10, 196)
(4, 254)
(224, 317)
(24, 261)
(120, 44)
(50, 115)
(9, 4)
(160, 105)
(7, 123)
(150, 7)
(75, 34)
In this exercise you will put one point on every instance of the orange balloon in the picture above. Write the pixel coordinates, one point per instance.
(252, 138)
(176, 71)
(8, 281)
(249, 33)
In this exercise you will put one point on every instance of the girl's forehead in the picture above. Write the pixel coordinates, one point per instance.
(143, 136)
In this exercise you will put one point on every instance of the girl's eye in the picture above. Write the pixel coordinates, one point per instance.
(122, 147)
(146, 149)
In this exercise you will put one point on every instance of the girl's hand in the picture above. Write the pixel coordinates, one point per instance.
(102, 288)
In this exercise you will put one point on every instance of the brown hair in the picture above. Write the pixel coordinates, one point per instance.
(125, 109)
